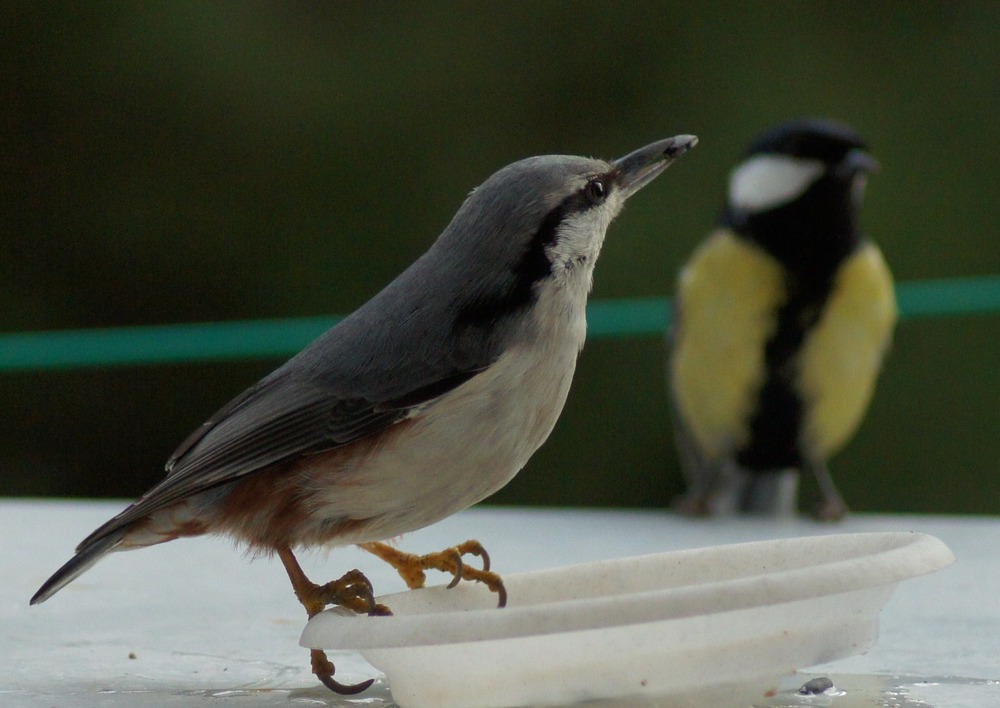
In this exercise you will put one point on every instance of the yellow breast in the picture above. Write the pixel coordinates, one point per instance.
(841, 357)
(728, 295)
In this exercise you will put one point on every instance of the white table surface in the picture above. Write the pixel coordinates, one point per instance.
(194, 622)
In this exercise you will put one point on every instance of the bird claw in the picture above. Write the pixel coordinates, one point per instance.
(324, 669)
(474, 548)
(831, 510)
(412, 567)
(353, 591)
(459, 568)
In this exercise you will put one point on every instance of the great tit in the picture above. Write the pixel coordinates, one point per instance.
(783, 317)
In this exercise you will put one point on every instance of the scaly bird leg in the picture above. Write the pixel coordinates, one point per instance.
(832, 507)
(411, 567)
(353, 591)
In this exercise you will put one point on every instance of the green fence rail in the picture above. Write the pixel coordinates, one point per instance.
(262, 339)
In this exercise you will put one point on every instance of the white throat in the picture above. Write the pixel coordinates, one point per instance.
(767, 181)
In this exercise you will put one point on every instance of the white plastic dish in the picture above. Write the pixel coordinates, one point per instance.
(721, 624)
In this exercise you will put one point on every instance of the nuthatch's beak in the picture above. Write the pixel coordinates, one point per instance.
(639, 168)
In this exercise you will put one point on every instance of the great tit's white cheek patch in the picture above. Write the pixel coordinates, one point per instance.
(766, 181)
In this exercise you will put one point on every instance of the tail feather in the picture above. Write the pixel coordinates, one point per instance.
(86, 556)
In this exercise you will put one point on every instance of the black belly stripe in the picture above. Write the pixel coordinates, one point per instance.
(811, 237)
(776, 423)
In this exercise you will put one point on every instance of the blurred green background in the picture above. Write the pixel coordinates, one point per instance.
(199, 161)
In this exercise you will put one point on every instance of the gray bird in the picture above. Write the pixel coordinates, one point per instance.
(427, 399)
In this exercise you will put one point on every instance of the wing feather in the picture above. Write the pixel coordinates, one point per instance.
(397, 352)
(282, 417)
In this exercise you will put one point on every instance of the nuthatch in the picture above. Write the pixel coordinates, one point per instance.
(427, 399)
(783, 317)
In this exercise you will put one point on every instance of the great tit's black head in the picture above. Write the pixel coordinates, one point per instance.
(798, 191)
(785, 162)
(810, 139)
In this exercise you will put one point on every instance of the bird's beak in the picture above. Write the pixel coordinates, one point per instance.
(639, 168)
(858, 160)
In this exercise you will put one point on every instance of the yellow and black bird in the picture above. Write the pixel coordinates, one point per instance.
(783, 317)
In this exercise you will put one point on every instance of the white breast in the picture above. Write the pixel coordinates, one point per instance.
(473, 440)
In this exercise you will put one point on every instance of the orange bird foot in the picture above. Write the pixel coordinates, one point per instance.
(412, 567)
(353, 591)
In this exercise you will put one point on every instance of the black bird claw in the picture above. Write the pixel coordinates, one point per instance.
(324, 670)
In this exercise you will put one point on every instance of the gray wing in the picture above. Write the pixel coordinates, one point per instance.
(410, 344)
(289, 415)
(309, 405)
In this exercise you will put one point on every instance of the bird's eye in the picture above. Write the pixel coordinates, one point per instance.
(595, 191)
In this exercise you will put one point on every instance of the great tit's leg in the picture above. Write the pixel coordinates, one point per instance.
(714, 486)
(714, 489)
(700, 476)
(353, 591)
(412, 567)
(832, 507)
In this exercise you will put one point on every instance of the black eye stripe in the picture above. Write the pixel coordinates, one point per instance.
(534, 264)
